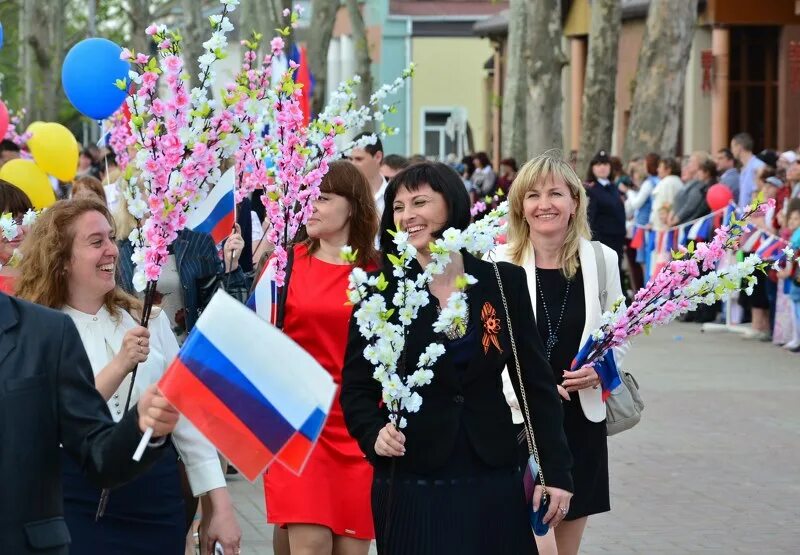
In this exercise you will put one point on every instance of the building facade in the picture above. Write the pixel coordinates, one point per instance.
(743, 72)
(445, 109)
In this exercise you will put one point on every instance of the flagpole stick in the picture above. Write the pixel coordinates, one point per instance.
(137, 455)
(149, 298)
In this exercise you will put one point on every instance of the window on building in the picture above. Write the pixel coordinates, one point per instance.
(443, 132)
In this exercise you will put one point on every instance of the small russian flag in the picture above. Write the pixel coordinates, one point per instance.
(771, 249)
(257, 396)
(605, 366)
(750, 242)
(216, 213)
(264, 300)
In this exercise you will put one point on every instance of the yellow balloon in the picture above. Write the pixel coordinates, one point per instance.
(54, 149)
(27, 176)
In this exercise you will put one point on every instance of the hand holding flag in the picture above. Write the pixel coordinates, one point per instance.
(256, 396)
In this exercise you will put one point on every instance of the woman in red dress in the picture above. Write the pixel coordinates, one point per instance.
(327, 508)
(15, 202)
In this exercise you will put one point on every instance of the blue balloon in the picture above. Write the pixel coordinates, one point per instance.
(89, 76)
(1, 35)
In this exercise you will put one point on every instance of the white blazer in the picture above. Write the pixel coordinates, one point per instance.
(591, 399)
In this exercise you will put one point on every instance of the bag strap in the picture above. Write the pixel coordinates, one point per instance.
(601, 272)
(528, 423)
(283, 293)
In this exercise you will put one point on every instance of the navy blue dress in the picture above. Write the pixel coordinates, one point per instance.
(143, 517)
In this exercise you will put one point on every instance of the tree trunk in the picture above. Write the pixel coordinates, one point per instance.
(599, 92)
(27, 13)
(545, 60)
(138, 20)
(660, 76)
(323, 16)
(52, 58)
(194, 31)
(513, 139)
(363, 61)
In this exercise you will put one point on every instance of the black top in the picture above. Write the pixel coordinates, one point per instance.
(472, 397)
(47, 398)
(553, 285)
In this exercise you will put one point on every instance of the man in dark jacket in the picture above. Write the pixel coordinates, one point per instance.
(48, 397)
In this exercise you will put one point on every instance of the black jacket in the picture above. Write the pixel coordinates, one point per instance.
(475, 399)
(606, 215)
(47, 397)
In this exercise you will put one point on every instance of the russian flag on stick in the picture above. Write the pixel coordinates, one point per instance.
(670, 240)
(771, 249)
(264, 300)
(730, 210)
(216, 214)
(605, 366)
(750, 242)
(256, 396)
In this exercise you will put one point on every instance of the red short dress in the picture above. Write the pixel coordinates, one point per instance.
(334, 487)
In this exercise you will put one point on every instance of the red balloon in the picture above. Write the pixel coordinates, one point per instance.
(3, 120)
(718, 196)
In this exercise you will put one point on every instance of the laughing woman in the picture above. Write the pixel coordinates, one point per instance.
(70, 261)
(548, 235)
(450, 482)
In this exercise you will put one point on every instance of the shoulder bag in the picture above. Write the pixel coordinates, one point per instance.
(533, 469)
(624, 407)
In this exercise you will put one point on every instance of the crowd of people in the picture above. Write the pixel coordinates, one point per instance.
(449, 482)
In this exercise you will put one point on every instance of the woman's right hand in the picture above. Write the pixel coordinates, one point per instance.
(390, 442)
(135, 348)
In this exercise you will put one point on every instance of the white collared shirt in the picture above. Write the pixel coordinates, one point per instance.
(102, 335)
(380, 203)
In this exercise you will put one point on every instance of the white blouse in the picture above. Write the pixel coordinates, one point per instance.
(102, 337)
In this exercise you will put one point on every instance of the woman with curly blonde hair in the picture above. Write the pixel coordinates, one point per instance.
(549, 236)
(69, 263)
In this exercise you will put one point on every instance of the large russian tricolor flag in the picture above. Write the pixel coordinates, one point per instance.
(257, 396)
(216, 214)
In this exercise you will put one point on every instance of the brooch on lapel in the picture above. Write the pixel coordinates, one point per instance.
(491, 327)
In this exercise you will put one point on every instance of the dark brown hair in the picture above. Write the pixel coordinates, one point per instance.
(13, 199)
(651, 163)
(346, 180)
(483, 158)
(709, 167)
(672, 165)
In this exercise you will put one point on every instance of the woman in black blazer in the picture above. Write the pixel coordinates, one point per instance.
(451, 482)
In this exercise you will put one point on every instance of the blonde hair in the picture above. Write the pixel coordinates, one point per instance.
(47, 250)
(548, 166)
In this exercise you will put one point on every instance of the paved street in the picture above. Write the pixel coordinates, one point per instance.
(714, 468)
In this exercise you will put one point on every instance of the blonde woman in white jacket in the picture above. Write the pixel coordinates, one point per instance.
(70, 264)
(548, 235)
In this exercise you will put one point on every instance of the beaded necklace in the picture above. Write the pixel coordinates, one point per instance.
(552, 332)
